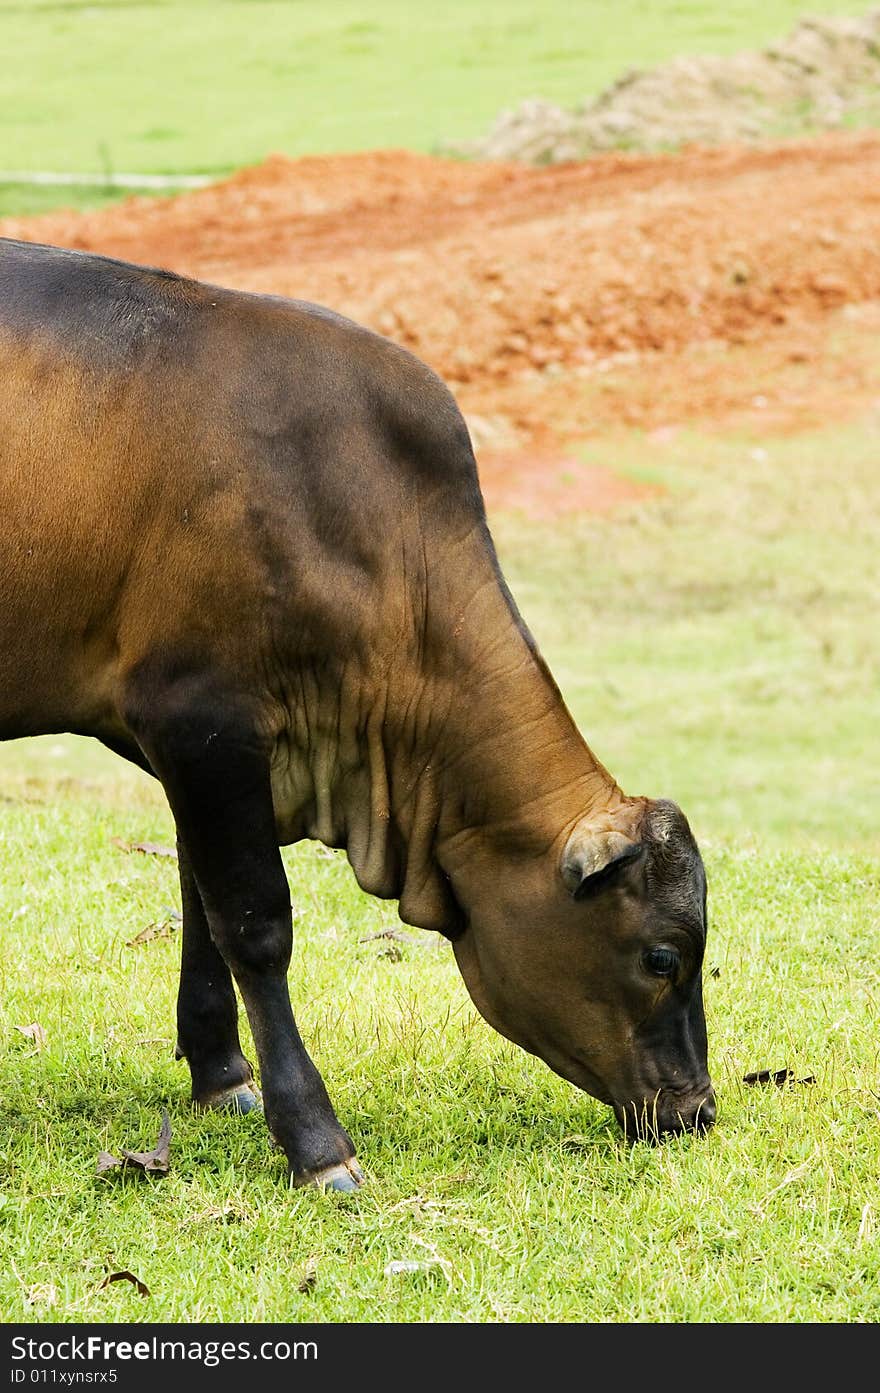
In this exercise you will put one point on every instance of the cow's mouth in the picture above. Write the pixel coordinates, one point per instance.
(667, 1115)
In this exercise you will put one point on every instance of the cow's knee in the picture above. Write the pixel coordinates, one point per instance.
(255, 941)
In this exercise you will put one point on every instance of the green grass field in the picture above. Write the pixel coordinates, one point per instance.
(717, 645)
(206, 85)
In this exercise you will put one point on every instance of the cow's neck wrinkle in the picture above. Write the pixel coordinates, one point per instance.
(452, 747)
(515, 766)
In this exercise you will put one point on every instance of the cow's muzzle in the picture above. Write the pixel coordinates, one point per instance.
(667, 1114)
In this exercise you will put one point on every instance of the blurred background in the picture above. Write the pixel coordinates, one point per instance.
(641, 241)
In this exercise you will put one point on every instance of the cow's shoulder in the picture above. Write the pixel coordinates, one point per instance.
(321, 378)
(91, 308)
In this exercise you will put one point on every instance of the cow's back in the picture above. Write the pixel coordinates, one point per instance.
(174, 455)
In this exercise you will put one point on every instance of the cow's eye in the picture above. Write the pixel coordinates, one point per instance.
(661, 962)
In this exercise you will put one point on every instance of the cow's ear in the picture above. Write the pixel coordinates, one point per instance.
(593, 858)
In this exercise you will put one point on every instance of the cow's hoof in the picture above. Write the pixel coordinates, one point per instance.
(346, 1179)
(243, 1097)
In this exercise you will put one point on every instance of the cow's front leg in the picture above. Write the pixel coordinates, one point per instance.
(207, 1013)
(216, 776)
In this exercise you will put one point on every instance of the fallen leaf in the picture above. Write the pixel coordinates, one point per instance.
(158, 1158)
(393, 934)
(309, 1279)
(125, 1276)
(778, 1076)
(34, 1032)
(163, 929)
(146, 848)
(153, 1162)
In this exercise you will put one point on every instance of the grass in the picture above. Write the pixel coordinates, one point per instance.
(206, 85)
(718, 646)
(29, 200)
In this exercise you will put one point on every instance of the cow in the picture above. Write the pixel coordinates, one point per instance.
(243, 545)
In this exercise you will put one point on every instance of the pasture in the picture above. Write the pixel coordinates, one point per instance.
(716, 642)
(175, 86)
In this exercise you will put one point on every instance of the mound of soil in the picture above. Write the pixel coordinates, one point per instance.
(492, 271)
(554, 301)
(825, 71)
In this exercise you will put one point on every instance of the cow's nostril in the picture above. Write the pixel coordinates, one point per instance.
(704, 1118)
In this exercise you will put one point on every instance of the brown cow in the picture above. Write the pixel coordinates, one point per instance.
(242, 543)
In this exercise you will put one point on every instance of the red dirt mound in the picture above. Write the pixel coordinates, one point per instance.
(512, 281)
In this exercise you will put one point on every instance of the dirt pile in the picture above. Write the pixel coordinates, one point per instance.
(492, 271)
(554, 301)
(825, 71)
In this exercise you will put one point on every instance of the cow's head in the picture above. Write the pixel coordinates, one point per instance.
(590, 957)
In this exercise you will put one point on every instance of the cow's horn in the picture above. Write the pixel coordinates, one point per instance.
(591, 853)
